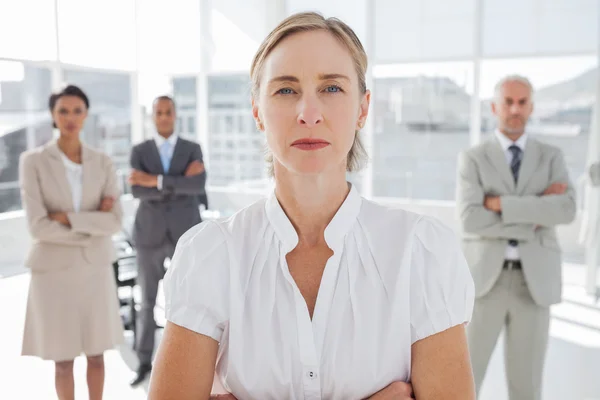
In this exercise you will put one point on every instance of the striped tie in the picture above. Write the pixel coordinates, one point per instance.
(515, 163)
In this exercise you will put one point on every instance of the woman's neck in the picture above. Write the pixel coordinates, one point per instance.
(310, 202)
(70, 147)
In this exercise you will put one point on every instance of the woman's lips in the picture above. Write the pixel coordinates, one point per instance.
(310, 144)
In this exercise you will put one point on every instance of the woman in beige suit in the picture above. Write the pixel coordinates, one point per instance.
(71, 199)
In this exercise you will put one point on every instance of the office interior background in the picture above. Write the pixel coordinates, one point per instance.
(433, 67)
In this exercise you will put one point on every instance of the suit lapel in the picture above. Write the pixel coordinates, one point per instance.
(59, 174)
(497, 158)
(531, 156)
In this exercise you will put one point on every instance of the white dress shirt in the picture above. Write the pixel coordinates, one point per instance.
(512, 252)
(395, 277)
(74, 173)
(159, 140)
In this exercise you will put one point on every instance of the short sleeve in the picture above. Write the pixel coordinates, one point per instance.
(196, 285)
(441, 287)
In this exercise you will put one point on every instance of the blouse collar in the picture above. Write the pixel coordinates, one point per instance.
(335, 232)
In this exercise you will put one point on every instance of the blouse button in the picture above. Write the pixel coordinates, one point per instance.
(312, 375)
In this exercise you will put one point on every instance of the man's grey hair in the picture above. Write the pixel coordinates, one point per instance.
(511, 78)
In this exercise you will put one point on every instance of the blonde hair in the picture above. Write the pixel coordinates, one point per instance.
(307, 22)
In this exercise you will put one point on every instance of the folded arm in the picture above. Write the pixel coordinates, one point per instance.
(190, 185)
(141, 192)
(187, 185)
(41, 227)
(147, 186)
(101, 223)
(543, 210)
(474, 217)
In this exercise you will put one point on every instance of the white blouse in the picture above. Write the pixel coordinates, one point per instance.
(74, 177)
(395, 277)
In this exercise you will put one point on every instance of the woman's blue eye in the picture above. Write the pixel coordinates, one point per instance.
(333, 89)
(285, 91)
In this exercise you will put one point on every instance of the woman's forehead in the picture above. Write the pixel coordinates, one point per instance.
(309, 55)
(70, 101)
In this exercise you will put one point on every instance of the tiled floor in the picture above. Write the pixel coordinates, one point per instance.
(572, 368)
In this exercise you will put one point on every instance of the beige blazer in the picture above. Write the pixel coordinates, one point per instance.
(526, 216)
(45, 189)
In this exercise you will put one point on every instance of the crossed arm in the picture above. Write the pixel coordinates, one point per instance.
(145, 185)
(512, 217)
(441, 370)
(73, 228)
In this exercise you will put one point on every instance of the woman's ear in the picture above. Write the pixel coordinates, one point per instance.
(364, 110)
(256, 115)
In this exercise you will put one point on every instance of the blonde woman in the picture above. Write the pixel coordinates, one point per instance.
(71, 200)
(315, 292)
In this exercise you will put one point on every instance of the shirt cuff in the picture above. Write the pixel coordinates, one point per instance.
(159, 182)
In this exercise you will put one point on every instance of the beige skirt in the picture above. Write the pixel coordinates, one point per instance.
(71, 312)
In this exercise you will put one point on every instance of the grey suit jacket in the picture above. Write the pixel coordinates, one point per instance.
(170, 212)
(526, 215)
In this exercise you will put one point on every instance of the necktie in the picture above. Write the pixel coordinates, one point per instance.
(515, 163)
(165, 156)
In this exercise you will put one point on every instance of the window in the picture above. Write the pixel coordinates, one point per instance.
(565, 93)
(351, 12)
(546, 27)
(86, 39)
(421, 122)
(25, 122)
(25, 33)
(191, 127)
(423, 30)
(108, 126)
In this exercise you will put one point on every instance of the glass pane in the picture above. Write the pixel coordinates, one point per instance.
(230, 111)
(27, 29)
(25, 122)
(529, 27)
(421, 115)
(563, 100)
(98, 34)
(184, 93)
(108, 126)
(235, 40)
(169, 36)
(423, 30)
(10, 198)
(352, 12)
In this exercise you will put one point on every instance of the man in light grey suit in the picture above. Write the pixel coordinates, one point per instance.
(512, 191)
(168, 177)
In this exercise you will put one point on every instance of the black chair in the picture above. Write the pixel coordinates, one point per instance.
(126, 271)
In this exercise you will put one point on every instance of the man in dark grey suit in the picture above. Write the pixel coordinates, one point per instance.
(168, 178)
(512, 192)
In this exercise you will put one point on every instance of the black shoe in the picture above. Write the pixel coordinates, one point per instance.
(142, 372)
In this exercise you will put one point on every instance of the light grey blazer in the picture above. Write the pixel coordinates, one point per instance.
(526, 215)
(45, 189)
